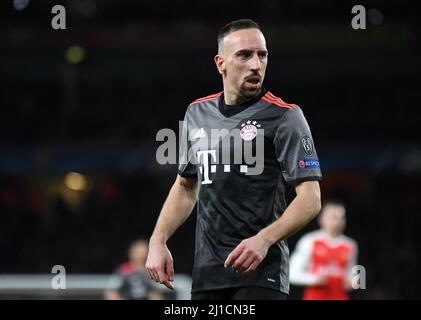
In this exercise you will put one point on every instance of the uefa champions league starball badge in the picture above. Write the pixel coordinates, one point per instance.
(249, 130)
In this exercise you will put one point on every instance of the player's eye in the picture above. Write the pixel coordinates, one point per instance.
(263, 55)
(244, 54)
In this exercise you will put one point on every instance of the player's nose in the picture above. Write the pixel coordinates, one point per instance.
(255, 63)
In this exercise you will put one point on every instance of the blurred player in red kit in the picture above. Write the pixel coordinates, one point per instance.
(323, 259)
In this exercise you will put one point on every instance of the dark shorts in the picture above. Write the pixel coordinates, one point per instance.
(240, 293)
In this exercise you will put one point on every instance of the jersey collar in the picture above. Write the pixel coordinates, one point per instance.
(230, 110)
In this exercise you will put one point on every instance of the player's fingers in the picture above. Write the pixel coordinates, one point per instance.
(168, 284)
(246, 264)
(169, 268)
(150, 274)
(236, 265)
(154, 274)
(253, 266)
(164, 279)
(162, 276)
(232, 256)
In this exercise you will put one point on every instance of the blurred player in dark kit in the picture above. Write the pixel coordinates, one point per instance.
(131, 281)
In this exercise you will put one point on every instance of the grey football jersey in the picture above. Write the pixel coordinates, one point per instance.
(237, 198)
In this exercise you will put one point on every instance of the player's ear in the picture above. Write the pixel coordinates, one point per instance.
(220, 63)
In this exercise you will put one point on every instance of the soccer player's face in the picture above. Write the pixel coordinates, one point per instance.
(244, 62)
(138, 254)
(332, 219)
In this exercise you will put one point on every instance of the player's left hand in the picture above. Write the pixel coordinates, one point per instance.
(347, 285)
(247, 256)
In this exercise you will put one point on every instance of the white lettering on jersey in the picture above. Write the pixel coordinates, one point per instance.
(205, 161)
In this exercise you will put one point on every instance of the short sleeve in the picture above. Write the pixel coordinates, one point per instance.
(295, 149)
(186, 166)
(300, 263)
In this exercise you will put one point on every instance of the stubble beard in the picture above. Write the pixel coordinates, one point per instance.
(248, 93)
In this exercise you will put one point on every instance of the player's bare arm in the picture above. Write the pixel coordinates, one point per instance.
(247, 256)
(175, 211)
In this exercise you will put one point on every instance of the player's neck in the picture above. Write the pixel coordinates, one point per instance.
(332, 235)
(233, 98)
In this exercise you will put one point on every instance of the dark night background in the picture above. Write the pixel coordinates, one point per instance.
(91, 98)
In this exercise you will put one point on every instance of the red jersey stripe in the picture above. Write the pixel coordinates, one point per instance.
(270, 94)
(276, 103)
(212, 96)
(269, 97)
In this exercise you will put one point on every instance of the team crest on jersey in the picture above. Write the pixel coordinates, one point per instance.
(249, 130)
(307, 144)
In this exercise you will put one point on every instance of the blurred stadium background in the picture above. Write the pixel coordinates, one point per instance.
(81, 108)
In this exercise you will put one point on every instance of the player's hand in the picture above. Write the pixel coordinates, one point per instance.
(160, 265)
(348, 285)
(321, 280)
(247, 256)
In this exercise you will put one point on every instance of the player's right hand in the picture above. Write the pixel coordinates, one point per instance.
(160, 265)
